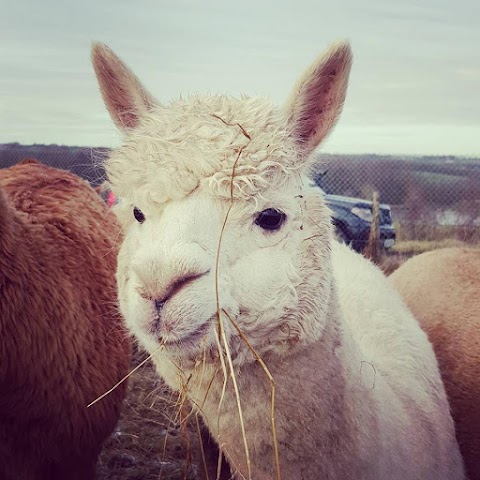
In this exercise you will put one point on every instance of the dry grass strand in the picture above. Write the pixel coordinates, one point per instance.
(125, 377)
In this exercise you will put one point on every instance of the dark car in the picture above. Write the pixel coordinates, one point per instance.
(352, 218)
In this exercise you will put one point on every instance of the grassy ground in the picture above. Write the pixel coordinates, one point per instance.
(405, 249)
(421, 237)
(151, 442)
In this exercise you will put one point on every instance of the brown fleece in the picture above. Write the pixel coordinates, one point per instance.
(442, 288)
(62, 343)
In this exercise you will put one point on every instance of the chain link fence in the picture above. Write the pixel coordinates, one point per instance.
(83, 161)
(435, 201)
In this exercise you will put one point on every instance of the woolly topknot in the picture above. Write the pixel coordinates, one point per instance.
(196, 142)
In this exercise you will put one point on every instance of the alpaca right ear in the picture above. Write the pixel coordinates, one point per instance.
(125, 97)
(317, 100)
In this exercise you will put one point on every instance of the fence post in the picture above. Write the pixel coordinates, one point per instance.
(372, 250)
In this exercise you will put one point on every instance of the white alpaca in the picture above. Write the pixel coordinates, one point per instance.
(358, 393)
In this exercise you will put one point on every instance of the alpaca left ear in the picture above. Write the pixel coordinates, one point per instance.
(126, 99)
(317, 100)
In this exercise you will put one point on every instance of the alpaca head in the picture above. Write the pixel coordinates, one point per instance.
(217, 214)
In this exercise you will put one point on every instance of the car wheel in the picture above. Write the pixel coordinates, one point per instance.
(341, 236)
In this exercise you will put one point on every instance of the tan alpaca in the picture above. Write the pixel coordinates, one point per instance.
(358, 392)
(442, 289)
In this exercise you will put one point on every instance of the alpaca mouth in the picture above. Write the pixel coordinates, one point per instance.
(194, 338)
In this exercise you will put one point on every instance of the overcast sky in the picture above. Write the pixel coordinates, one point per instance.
(414, 89)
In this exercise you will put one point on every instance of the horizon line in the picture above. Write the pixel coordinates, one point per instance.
(477, 156)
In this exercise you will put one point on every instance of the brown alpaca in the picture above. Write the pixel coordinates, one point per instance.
(442, 288)
(62, 343)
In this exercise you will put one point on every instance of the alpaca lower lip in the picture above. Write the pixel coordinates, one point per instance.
(190, 338)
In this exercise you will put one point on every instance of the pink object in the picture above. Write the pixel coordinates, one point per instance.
(111, 199)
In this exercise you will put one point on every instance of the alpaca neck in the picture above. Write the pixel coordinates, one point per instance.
(314, 391)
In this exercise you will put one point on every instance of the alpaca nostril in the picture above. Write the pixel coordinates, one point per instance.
(159, 304)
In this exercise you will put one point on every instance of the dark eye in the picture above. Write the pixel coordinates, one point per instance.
(139, 216)
(270, 219)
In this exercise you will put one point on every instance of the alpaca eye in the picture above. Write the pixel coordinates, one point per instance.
(270, 219)
(139, 216)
